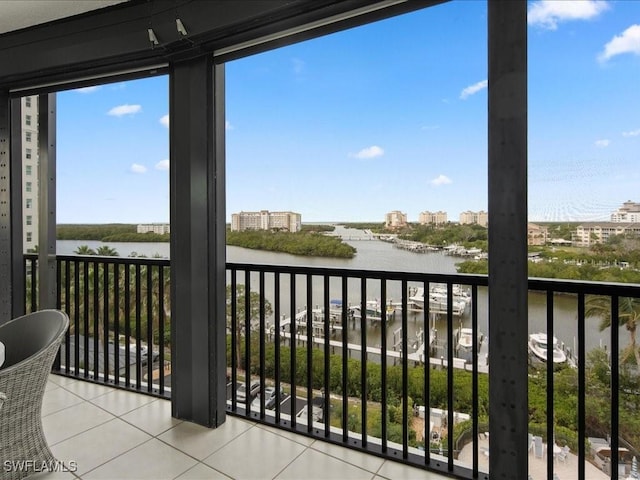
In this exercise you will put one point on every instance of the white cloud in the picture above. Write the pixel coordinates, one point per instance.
(164, 120)
(549, 13)
(88, 89)
(369, 152)
(602, 143)
(473, 89)
(125, 109)
(137, 168)
(440, 180)
(632, 133)
(163, 165)
(627, 42)
(227, 125)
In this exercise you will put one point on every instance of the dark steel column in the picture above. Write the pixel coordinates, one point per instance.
(197, 118)
(507, 24)
(47, 289)
(11, 257)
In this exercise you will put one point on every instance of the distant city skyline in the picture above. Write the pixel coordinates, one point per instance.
(389, 116)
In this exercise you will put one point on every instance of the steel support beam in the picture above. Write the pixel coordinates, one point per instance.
(47, 289)
(11, 257)
(508, 414)
(198, 322)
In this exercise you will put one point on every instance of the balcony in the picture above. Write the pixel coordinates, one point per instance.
(118, 341)
(112, 433)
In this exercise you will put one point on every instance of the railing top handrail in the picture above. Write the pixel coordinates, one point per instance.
(539, 284)
(465, 279)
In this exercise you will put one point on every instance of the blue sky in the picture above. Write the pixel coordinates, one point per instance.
(389, 116)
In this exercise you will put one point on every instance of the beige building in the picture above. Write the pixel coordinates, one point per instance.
(628, 212)
(474, 218)
(537, 234)
(395, 219)
(161, 228)
(30, 176)
(590, 233)
(432, 218)
(266, 220)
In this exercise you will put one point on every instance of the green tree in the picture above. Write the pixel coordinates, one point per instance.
(244, 318)
(628, 316)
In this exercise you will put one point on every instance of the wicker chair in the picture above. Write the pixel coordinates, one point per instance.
(31, 344)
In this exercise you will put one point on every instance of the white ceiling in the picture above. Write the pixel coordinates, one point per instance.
(17, 14)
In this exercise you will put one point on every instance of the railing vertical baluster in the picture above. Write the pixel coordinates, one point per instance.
(383, 369)
(474, 377)
(138, 305)
(363, 356)
(550, 393)
(149, 269)
(292, 350)
(276, 332)
(262, 350)
(85, 313)
(57, 361)
(127, 325)
(96, 322)
(76, 308)
(161, 320)
(116, 323)
(326, 409)
(426, 327)
(105, 319)
(34, 285)
(309, 353)
(234, 338)
(247, 341)
(450, 389)
(345, 363)
(67, 293)
(582, 390)
(405, 373)
(615, 383)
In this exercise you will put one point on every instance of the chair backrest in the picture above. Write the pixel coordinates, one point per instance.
(25, 336)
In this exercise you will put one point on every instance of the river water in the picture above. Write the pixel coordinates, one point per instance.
(377, 255)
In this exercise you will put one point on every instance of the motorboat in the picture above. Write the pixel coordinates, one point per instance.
(465, 338)
(438, 302)
(539, 347)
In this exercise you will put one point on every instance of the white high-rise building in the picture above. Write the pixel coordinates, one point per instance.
(479, 218)
(432, 218)
(266, 220)
(30, 176)
(395, 219)
(628, 212)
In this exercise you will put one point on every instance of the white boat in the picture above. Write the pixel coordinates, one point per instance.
(539, 346)
(465, 338)
(373, 311)
(438, 302)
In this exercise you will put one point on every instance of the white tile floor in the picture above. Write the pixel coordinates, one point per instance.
(114, 434)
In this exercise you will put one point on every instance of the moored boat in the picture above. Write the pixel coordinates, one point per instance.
(539, 347)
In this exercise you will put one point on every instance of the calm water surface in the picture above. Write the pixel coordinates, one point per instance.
(377, 255)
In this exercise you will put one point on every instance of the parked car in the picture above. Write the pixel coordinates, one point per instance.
(241, 392)
(269, 399)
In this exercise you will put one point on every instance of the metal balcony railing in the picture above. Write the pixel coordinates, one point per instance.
(389, 363)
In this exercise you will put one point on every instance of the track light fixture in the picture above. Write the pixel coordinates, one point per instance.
(152, 36)
(180, 26)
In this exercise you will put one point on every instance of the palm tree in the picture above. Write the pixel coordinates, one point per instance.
(628, 315)
(106, 251)
(84, 250)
